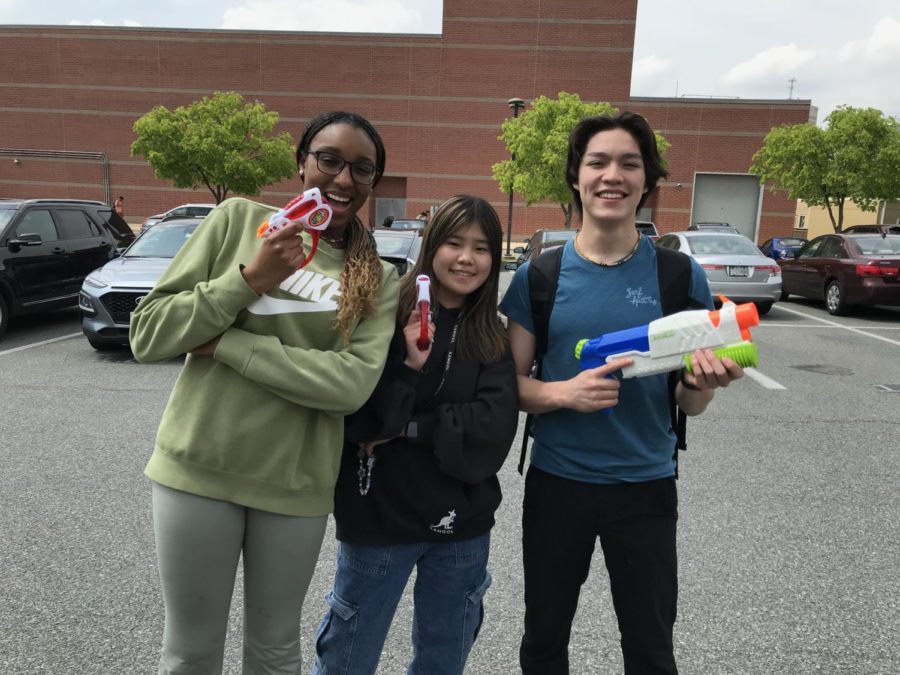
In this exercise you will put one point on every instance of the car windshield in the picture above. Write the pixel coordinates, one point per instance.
(161, 242)
(6, 216)
(722, 246)
(392, 246)
(878, 245)
(408, 224)
(563, 235)
(791, 242)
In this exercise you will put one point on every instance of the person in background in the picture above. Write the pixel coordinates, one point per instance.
(248, 449)
(418, 484)
(119, 206)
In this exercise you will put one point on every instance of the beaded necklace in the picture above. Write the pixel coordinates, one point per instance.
(618, 262)
(366, 462)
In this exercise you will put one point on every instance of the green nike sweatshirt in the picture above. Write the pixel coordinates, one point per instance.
(261, 423)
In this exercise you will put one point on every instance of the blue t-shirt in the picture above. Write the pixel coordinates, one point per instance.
(635, 442)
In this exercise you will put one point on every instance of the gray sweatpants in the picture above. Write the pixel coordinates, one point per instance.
(198, 544)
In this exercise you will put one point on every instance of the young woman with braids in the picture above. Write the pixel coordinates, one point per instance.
(248, 450)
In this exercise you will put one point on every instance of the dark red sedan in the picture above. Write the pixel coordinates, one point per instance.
(845, 270)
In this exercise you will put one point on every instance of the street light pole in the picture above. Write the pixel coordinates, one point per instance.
(516, 104)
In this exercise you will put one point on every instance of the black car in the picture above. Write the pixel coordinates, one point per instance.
(48, 247)
(537, 243)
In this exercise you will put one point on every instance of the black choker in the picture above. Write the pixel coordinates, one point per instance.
(620, 261)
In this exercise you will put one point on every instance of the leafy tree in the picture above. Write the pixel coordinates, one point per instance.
(539, 140)
(217, 141)
(856, 157)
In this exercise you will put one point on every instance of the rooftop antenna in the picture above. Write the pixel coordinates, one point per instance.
(791, 90)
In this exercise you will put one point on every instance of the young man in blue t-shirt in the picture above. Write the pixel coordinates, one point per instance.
(595, 472)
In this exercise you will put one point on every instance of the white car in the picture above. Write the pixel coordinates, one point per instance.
(183, 211)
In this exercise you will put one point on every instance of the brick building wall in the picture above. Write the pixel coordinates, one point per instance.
(438, 101)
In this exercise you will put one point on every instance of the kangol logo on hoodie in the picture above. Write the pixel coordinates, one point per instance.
(445, 524)
(318, 292)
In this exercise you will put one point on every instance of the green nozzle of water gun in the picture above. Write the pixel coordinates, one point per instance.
(743, 354)
(578, 348)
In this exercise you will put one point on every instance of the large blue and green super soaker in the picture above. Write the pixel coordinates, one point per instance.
(666, 344)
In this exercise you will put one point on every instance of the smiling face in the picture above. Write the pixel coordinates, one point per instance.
(611, 178)
(345, 195)
(461, 265)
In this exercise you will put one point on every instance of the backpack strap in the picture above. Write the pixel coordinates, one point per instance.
(543, 279)
(673, 270)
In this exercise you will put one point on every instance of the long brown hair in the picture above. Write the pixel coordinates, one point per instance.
(481, 335)
(362, 271)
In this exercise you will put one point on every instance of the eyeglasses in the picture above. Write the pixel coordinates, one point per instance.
(328, 163)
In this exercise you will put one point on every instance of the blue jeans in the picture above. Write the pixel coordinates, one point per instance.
(451, 580)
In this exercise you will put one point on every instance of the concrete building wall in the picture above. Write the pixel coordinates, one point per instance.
(437, 100)
(816, 220)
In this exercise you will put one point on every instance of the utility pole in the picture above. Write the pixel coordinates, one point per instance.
(791, 81)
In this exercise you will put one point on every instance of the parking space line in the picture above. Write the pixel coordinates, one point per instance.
(39, 344)
(763, 380)
(837, 325)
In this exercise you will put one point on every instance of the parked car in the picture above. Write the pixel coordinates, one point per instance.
(872, 229)
(712, 227)
(734, 266)
(538, 243)
(111, 293)
(781, 247)
(407, 224)
(648, 228)
(399, 247)
(845, 270)
(183, 211)
(48, 247)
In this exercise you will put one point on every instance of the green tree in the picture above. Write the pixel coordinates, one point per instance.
(218, 142)
(539, 140)
(856, 157)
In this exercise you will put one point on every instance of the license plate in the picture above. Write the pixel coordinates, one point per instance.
(737, 271)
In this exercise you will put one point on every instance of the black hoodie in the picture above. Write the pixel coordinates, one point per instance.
(439, 483)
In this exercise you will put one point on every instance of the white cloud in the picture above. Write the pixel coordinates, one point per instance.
(344, 16)
(92, 22)
(882, 47)
(772, 63)
(651, 73)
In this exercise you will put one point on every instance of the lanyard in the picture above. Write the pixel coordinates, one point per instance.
(451, 349)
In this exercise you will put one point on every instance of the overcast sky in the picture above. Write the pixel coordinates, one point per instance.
(837, 52)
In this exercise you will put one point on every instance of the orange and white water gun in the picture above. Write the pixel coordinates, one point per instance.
(310, 210)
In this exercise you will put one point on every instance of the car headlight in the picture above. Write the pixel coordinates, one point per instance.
(85, 304)
(93, 281)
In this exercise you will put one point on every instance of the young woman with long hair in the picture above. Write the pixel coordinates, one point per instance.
(418, 484)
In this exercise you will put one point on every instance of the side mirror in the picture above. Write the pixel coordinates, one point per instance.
(519, 249)
(24, 240)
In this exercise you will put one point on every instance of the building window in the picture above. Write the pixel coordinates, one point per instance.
(801, 222)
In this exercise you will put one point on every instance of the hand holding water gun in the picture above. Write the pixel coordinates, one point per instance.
(423, 304)
(310, 210)
(667, 343)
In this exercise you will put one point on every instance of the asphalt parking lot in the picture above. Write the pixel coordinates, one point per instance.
(788, 532)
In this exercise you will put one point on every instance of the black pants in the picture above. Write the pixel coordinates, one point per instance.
(635, 522)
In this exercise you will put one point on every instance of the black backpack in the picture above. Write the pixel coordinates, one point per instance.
(673, 271)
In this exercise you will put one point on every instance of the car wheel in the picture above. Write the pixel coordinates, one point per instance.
(763, 307)
(834, 299)
(4, 315)
(102, 346)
